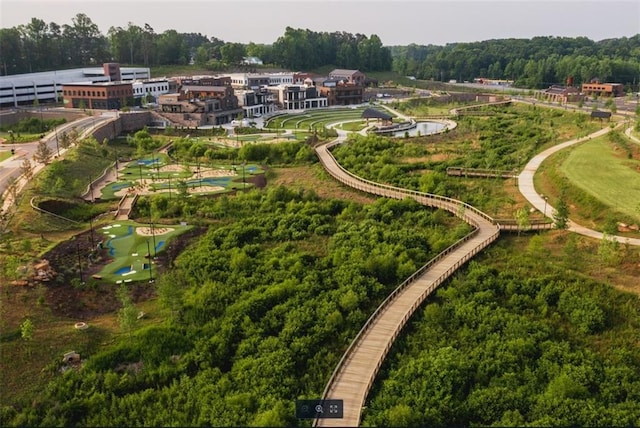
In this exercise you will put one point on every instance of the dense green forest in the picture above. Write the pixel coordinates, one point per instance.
(516, 339)
(258, 312)
(41, 46)
(532, 63)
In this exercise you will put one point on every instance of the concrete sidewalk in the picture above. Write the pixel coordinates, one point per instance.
(527, 188)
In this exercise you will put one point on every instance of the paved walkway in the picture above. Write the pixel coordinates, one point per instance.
(527, 188)
(356, 372)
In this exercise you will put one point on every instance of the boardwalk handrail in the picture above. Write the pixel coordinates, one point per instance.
(400, 288)
(459, 208)
(452, 205)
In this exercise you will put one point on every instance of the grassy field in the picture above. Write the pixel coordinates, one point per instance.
(601, 172)
(319, 118)
(5, 154)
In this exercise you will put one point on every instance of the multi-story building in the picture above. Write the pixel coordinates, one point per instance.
(150, 88)
(46, 87)
(297, 97)
(101, 95)
(255, 102)
(338, 92)
(259, 80)
(248, 80)
(603, 89)
(354, 77)
(201, 100)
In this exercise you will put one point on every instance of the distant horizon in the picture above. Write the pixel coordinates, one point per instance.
(396, 22)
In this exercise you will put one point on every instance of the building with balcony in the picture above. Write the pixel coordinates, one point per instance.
(200, 100)
(337, 92)
(297, 97)
(354, 77)
(256, 102)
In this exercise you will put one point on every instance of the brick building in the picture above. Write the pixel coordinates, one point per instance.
(603, 89)
(102, 95)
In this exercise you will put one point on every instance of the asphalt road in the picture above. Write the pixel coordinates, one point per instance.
(11, 167)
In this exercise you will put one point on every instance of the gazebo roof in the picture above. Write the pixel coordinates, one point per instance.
(371, 113)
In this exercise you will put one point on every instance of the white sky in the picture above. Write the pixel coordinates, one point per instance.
(396, 22)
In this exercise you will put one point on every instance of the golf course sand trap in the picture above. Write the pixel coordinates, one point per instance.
(205, 189)
(146, 231)
(172, 168)
(218, 173)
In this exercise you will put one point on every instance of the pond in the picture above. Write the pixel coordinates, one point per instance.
(421, 128)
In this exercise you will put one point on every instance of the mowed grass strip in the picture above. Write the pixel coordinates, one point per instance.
(594, 167)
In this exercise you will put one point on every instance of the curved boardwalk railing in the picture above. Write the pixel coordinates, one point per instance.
(355, 373)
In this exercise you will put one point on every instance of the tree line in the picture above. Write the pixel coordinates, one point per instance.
(40, 46)
(534, 63)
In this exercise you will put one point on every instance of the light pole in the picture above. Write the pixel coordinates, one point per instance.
(153, 234)
(544, 213)
(150, 273)
(244, 182)
(79, 261)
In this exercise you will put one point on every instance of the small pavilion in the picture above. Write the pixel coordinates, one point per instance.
(380, 116)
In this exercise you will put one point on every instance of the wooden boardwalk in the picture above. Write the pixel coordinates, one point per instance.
(356, 371)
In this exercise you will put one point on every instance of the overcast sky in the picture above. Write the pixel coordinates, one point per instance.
(396, 22)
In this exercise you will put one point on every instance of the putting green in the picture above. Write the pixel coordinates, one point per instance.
(594, 167)
(128, 245)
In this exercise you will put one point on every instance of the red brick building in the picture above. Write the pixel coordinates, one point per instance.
(603, 89)
(100, 96)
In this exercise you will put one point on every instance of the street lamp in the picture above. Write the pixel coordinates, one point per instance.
(79, 261)
(153, 234)
(244, 182)
(544, 213)
(150, 273)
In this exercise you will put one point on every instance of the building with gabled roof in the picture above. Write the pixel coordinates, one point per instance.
(355, 77)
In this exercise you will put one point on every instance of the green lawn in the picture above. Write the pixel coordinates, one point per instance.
(615, 181)
(318, 119)
(129, 249)
(5, 155)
